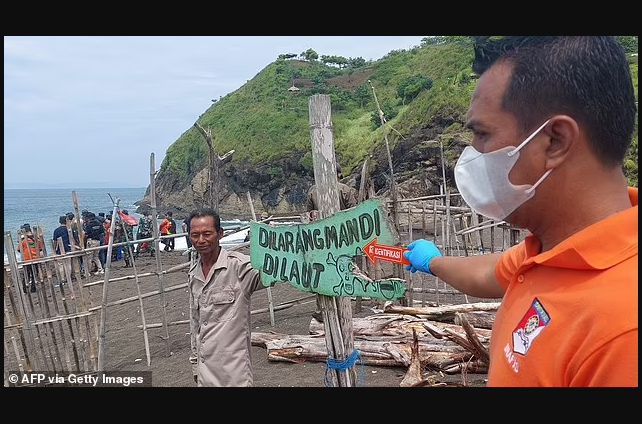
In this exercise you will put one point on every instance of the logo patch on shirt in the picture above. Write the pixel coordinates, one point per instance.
(531, 325)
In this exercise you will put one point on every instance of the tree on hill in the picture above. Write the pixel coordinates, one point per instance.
(310, 55)
(410, 87)
(339, 61)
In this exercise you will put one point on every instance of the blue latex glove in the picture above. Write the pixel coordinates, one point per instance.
(419, 254)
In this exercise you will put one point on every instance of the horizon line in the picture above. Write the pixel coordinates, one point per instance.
(50, 187)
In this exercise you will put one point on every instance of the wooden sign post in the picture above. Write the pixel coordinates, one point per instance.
(326, 269)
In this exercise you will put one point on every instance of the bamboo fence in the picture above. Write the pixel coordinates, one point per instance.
(57, 328)
(60, 328)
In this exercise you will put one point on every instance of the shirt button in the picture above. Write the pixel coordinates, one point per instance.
(204, 322)
(521, 278)
(231, 298)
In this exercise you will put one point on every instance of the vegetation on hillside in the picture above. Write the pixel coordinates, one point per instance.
(265, 122)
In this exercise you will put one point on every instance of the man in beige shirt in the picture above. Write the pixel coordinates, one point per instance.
(220, 284)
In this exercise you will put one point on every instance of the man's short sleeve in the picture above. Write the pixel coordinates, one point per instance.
(509, 263)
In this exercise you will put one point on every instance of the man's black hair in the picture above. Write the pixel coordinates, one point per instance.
(206, 212)
(586, 77)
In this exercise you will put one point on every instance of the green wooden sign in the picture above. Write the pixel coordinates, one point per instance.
(318, 257)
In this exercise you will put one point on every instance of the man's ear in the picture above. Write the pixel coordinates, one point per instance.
(564, 133)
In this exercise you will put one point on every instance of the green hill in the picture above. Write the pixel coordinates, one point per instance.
(424, 92)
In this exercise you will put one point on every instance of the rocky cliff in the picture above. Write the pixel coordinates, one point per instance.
(416, 162)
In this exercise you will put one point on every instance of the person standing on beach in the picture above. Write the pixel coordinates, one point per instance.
(126, 235)
(95, 237)
(220, 285)
(145, 230)
(166, 228)
(75, 229)
(30, 249)
(551, 119)
(75, 233)
(185, 228)
(61, 234)
(172, 230)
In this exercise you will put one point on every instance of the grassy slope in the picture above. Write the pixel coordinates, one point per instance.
(262, 121)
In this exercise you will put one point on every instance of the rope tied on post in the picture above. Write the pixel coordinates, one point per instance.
(352, 360)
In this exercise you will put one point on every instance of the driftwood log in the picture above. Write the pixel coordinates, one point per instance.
(413, 377)
(389, 340)
(479, 315)
(298, 349)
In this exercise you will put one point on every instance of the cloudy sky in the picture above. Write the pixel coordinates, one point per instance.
(90, 111)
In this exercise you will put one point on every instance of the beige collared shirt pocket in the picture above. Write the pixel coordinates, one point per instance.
(217, 306)
(220, 321)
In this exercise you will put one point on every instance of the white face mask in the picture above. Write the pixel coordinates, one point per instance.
(482, 180)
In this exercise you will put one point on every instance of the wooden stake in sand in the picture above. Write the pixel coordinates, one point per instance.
(337, 311)
(103, 311)
(269, 289)
(159, 265)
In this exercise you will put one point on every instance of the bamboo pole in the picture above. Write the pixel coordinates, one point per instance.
(91, 338)
(393, 185)
(409, 297)
(492, 240)
(176, 268)
(448, 249)
(45, 305)
(103, 311)
(37, 341)
(397, 269)
(479, 235)
(279, 307)
(78, 343)
(443, 239)
(81, 304)
(136, 298)
(269, 289)
(159, 266)
(463, 224)
(421, 198)
(84, 267)
(56, 308)
(215, 162)
(434, 221)
(362, 195)
(22, 302)
(423, 219)
(16, 351)
(18, 318)
(130, 252)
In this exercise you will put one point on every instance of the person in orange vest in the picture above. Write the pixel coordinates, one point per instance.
(167, 227)
(163, 229)
(107, 227)
(30, 249)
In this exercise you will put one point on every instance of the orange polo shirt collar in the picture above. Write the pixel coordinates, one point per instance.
(597, 247)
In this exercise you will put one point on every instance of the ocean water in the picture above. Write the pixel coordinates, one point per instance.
(42, 208)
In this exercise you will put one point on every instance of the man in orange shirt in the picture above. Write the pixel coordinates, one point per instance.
(552, 118)
(165, 229)
(30, 249)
